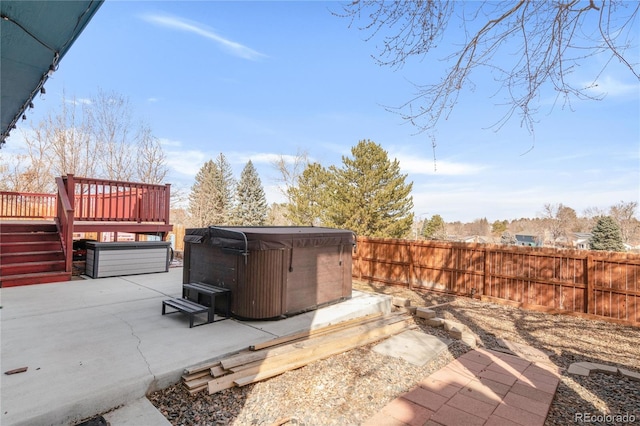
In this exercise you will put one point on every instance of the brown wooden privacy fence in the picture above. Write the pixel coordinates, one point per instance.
(27, 205)
(578, 281)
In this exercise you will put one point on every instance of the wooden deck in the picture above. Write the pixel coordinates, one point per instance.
(87, 205)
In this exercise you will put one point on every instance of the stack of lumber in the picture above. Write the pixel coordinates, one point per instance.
(276, 356)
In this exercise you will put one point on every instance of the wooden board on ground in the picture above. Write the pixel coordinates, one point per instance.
(276, 356)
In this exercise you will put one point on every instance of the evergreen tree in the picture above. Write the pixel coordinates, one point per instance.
(499, 226)
(368, 194)
(211, 197)
(251, 203)
(201, 197)
(606, 235)
(434, 228)
(223, 195)
(308, 200)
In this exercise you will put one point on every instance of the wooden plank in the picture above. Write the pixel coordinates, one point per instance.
(205, 366)
(246, 358)
(197, 383)
(318, 331)
(187, 377)
(224, 382)
(298, 351)
(196, 390)
(325, 351)
(217, 371)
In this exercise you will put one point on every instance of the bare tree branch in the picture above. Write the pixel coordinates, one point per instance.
(529, 47)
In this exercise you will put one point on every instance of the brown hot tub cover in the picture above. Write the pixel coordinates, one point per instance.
(272, 271)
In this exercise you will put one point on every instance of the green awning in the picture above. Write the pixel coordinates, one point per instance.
(35, 36)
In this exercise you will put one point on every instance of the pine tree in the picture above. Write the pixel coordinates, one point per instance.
(200, 199)
(251, 204)
(368, 194)
(434, 228)
(606, 235)
(308, 199)
(211, 197)
(223, 195)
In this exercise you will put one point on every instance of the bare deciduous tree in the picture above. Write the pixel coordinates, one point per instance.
(151, 162)
(290, 170)
(560, 221)
(527, 46)
(100, 141)
(624, 214)
(110, 117)
(72, 150)
(36, 174)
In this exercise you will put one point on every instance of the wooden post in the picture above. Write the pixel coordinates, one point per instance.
(588, 283)
(167, 200)
(485, 272)
(412, 272)
(70, 185)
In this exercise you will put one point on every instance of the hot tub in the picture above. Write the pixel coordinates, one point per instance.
(271, 271)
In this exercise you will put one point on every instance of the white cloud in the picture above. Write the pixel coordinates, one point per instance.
(169, 142)
(415, 164)
(186, 163)
(181, 24)
(262, 157)
(610, 86)
(79, 101)
(152, 99)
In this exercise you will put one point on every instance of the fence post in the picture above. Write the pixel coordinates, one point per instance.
(359, 243)
(485, 270)
(411, 265)
(588, 283)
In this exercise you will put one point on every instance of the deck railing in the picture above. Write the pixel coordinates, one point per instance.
(109, 200)
(25, 205)
(93, 200)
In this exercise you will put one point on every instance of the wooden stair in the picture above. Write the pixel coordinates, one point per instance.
(30, 253)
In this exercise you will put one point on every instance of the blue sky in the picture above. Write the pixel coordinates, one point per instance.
(254, 80)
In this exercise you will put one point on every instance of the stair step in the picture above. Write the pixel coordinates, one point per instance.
(38, 278)
(19, 237)
(30, 256)
(10, 226)
(32, 267)
(20, 247)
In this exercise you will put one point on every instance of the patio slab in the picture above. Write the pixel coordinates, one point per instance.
(93, 345)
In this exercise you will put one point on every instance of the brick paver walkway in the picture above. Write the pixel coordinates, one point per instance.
(481, 387)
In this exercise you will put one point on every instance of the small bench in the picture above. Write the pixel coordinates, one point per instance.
(187, 307)
(211, 292)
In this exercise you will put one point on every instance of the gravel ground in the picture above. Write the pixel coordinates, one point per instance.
(349, 388)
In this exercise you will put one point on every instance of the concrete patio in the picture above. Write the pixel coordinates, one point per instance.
(93, 345)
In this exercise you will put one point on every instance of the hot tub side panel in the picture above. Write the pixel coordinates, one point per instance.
(209, 265)
(257, 287)
(260, 290)
(317, 276)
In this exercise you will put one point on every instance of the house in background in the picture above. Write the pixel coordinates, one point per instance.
(581, 240)
(526, 240)
(479, 239)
